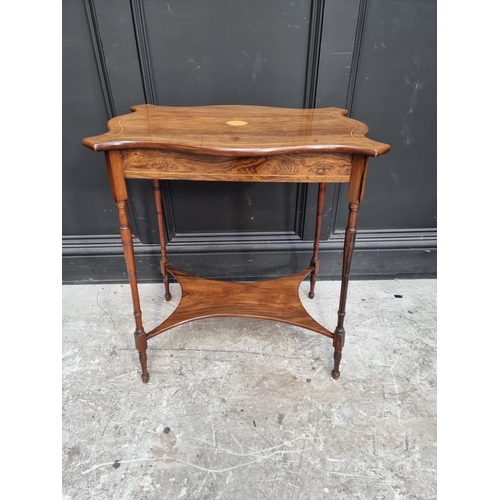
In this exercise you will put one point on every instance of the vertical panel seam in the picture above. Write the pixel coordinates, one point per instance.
(141, 39)
(100, 58)
(356, 54)
(314, 52)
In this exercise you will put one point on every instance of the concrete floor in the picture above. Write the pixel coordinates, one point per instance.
(247, 409)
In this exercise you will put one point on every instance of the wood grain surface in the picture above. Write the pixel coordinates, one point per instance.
(276, 300)
(172, 165)
(259, 130)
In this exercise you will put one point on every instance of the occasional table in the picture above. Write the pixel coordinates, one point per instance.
(245, 144)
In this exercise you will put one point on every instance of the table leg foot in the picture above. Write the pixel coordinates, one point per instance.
(338, 343)
(141, 344)
(337, 356)
(315, 265)
(144, 366)
(166, 280)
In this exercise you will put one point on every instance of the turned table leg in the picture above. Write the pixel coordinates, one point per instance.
(164, 263)
(355, 196)
(119, 192)
(319, 217)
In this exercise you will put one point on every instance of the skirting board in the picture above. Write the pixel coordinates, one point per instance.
(415, 258)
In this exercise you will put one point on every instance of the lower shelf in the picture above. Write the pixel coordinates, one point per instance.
(275, 300)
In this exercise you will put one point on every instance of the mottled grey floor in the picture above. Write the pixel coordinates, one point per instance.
(243, 409)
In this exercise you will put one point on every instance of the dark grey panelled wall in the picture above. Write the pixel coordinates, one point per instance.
(376, 58)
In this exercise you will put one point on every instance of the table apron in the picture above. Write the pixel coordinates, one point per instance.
(291, 167)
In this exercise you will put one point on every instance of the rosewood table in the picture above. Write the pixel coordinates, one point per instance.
(246, 144)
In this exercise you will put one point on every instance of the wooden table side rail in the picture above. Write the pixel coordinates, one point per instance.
(154, 149)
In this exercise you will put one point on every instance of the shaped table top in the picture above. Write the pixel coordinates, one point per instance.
(237, 131)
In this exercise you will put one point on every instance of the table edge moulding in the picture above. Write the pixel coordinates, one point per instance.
(239, 144)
